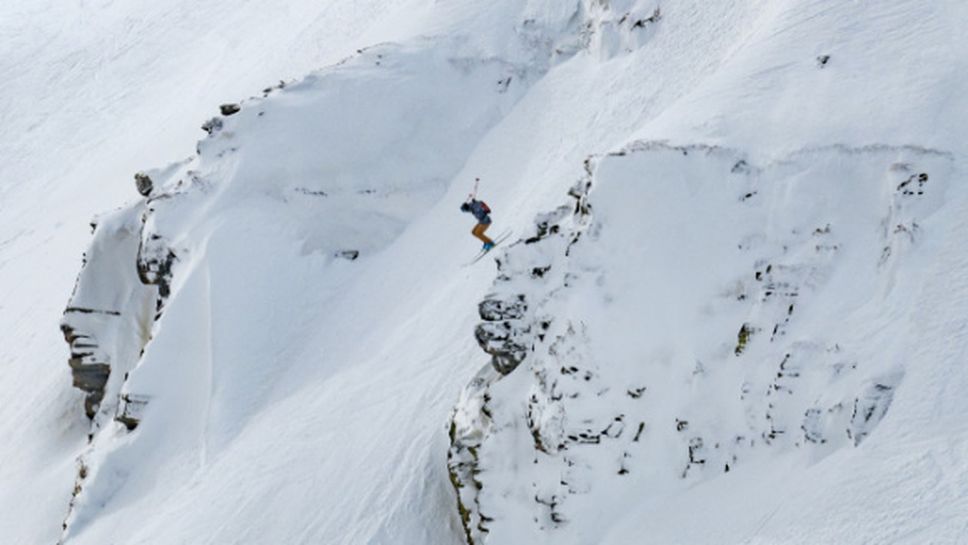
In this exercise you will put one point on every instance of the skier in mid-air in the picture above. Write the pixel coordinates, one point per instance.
(482, 212)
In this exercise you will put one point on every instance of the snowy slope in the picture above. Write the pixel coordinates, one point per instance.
(758, 268)
(687, 357)
(657, 378)
(90, 93)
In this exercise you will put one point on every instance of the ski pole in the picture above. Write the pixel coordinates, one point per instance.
(474, 193)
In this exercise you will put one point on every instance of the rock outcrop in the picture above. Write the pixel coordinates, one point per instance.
(108, 318)
(516, 321)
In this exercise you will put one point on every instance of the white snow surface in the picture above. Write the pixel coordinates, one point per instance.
(287, 394)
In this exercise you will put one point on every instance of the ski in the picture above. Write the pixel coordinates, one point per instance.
(497, 241)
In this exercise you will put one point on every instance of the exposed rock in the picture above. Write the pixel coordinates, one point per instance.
(155, 261)
(89, 367)
(870, 407)
(511, 327)
(654, 18)
(229, 109)
(313, 192)
(144, 184)
(743, 338)
(213, 125)
(505, 342)
(130, 410)
(104, 322)
(468, 427)
(494, 310)
(612, 29)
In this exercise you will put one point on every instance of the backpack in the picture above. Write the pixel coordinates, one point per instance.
(485, 207)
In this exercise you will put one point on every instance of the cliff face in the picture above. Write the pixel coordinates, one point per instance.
(628, 357)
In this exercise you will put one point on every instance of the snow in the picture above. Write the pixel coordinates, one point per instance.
(89, 94)
(641, 381)
(283, 389)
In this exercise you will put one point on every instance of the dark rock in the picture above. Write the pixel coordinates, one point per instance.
(349, 255)
(494, 310)
(636, 393)
(213, 125)
(695, 448)
(313, 192)
(499, 339)
(229, 109)
(131, 410)
(155, 261)
(548, 224)
(539, 272)
(822, 60)
(89, 372)
(144, 184)
(743, 337)
(907, 186)
(81, 310)
(654, 18)
(638, 433)
(869, 408)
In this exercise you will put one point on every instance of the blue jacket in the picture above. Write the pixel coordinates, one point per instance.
(477, 209)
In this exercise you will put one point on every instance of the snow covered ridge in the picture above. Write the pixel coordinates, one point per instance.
(623, 364)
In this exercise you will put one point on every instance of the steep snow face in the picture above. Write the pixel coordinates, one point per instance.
(286, 325)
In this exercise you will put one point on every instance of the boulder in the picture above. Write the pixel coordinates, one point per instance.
(229, 109)
(143, 183)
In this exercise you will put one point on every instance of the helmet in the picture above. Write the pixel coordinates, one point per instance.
(464, 207)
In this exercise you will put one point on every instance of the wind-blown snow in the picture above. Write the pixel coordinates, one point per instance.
(768, 248)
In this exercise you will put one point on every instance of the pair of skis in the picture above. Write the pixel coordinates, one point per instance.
(497, 241)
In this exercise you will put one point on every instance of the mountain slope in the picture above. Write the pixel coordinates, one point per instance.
(91, 93)
(749, 250)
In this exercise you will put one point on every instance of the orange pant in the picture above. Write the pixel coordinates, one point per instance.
(478, 231)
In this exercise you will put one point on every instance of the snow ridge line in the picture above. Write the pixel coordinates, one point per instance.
(667, 145)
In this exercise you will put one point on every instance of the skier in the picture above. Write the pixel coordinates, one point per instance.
(482, 212)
